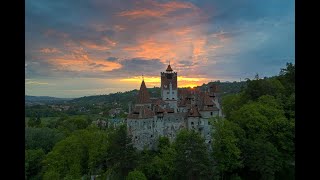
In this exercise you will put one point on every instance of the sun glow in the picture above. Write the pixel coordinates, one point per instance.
(156, 81)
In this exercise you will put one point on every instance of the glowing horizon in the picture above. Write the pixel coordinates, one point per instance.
(77, 48)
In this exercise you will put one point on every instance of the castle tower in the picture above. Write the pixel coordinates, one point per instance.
(169, 87)
(143, 98)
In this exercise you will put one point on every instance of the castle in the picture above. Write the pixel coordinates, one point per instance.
(177, 109)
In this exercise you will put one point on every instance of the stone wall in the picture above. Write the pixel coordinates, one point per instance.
(145, 132)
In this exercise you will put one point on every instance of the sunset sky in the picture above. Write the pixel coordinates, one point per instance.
(77, 48)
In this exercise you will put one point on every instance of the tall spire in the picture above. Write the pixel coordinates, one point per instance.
(169, 69)
(143, 96)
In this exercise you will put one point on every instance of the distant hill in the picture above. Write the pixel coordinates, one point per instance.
(122, 98)
(119, 97)
(44, 99)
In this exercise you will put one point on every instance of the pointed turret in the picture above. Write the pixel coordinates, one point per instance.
(143, 96)
(169, 69)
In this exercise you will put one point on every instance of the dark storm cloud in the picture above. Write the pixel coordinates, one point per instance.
(139, 66)
(112, 59)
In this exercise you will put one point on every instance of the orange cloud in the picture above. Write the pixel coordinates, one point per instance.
(157, 9)
(94, 46)
(103, 27)
(49, 50)
(142, 13)
(83, 65)
(152, 49)
(199, 47)
(76, 58)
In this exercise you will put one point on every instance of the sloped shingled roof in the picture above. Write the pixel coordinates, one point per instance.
(194, 112)
(141, 112)
(143, 95)
(207, 100)
(158, 109)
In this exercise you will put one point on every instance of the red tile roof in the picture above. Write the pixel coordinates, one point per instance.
(194, 112)
(143, 95)
(207, 101)
(158, 109)
(141, 112)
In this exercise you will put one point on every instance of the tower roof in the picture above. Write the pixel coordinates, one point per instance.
(207, 100)
(194, 112)
(143, 96)
(169, 68)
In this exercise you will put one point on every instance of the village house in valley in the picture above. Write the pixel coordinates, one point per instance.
(177, 109)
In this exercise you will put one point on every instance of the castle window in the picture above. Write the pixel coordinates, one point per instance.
(172, 98)
(167, 92)
(172, 92)
(136, 137)
(192, 123)
(167, 98)
(211, 113)
(151, 135)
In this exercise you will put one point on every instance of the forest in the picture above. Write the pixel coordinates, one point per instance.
(254, 140)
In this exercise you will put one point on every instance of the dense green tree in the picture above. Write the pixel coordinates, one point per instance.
(33, 160)
(34, 121)
(84, 152)
(269, 136)
(159, 164)
(226, 153)
(192, 157)
(68, 124)
(44, 138)
(163, 142)
(287, 78)
(260, 87)
(122, 156)
(50, 175)
(144, 163)
(136, 175)
(164, 163)
(231, 103)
